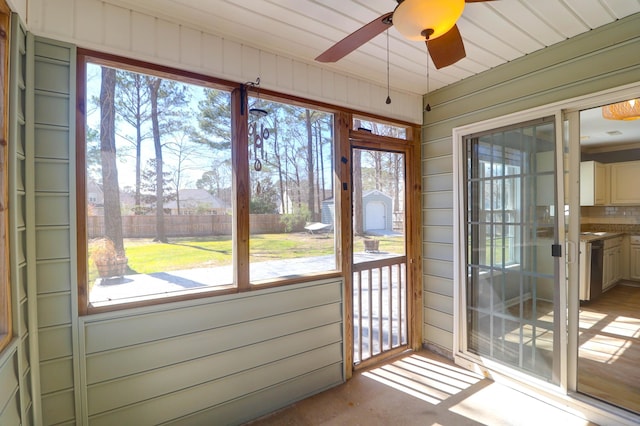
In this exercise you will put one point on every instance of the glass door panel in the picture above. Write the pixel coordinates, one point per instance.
(511, 227)
(607, 330)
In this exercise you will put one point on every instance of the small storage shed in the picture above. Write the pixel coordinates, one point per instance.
(377, 208)
(328, 211)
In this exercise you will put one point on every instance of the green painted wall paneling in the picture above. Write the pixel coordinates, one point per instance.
(598, 60)
(9, 387)
(210, 358)
(51, 222)
(20, 409)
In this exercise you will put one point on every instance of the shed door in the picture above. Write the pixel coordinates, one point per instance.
(374, 216)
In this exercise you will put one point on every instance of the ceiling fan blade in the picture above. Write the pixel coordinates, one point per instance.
(447, 49)
(356, 39)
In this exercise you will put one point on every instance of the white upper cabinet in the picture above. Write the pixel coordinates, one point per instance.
(593, 183)
(625, 183)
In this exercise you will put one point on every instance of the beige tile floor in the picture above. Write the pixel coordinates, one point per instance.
(420, 389)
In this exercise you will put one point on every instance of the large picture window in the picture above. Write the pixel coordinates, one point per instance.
(164, 197)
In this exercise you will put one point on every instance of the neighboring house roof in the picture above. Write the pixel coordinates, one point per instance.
(127, 199)
(193, 198)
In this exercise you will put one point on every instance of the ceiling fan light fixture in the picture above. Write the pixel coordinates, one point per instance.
(412, 17)
(625, 110)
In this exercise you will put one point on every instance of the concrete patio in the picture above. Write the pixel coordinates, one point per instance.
(110, 290)
(421, 388)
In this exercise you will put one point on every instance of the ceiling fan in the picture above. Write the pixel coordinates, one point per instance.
(433, 21)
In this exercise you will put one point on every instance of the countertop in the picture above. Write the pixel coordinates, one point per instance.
(593, 236)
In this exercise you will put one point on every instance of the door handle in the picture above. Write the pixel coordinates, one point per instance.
(571, 251)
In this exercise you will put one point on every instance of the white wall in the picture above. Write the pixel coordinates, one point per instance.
(102, 26)
(19, 7)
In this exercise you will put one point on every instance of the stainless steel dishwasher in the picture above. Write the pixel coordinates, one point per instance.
(596, 263)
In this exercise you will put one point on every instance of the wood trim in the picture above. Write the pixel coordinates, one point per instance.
(343, 123)
(384, 120)
(240, 187)
(6, 327)
(370, 138)
(163, 71)
(413, 232)
(374, 264)
(81, 188)
(391, 353)
(284, 281)
(414, 244)
(344, 228)
(189, 295)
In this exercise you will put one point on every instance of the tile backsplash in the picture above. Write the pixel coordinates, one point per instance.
(610, 218)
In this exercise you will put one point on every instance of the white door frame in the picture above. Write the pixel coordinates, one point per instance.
(565, 394)
(488, 367)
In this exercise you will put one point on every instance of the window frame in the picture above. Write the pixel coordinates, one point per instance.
(240, 170)
(505, 205)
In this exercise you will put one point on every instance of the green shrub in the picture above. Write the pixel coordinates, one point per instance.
(296, 221)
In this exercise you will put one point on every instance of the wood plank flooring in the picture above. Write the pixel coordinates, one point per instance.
(609, 347)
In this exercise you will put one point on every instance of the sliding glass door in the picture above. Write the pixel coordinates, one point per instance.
(511, 293)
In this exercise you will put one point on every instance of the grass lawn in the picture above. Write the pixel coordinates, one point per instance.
(146, 256)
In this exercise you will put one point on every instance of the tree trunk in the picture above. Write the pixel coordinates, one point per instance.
(319, 169)
(397, 164)
(358, 226)
(110, 185)
(161, 235)
(138, 115)
(276, 152)
(377, 160)
(310, 171)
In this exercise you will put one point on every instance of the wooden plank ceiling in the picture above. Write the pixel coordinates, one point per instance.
(494, 32)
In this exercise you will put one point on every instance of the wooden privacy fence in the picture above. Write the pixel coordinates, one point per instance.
(188, 225)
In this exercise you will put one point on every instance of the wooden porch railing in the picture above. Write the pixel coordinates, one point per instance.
(379, 306)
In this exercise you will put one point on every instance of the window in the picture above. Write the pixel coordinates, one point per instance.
(5, 284)
(164, 197)
(292, 199)
(500, 207)
(379, 128)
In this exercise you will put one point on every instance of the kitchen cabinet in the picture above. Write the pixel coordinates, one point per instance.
(612, 262)
(593, 184)
(624, 178)
(634, 257)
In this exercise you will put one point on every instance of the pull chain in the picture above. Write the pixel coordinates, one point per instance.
(428, 107)
(388, 101)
